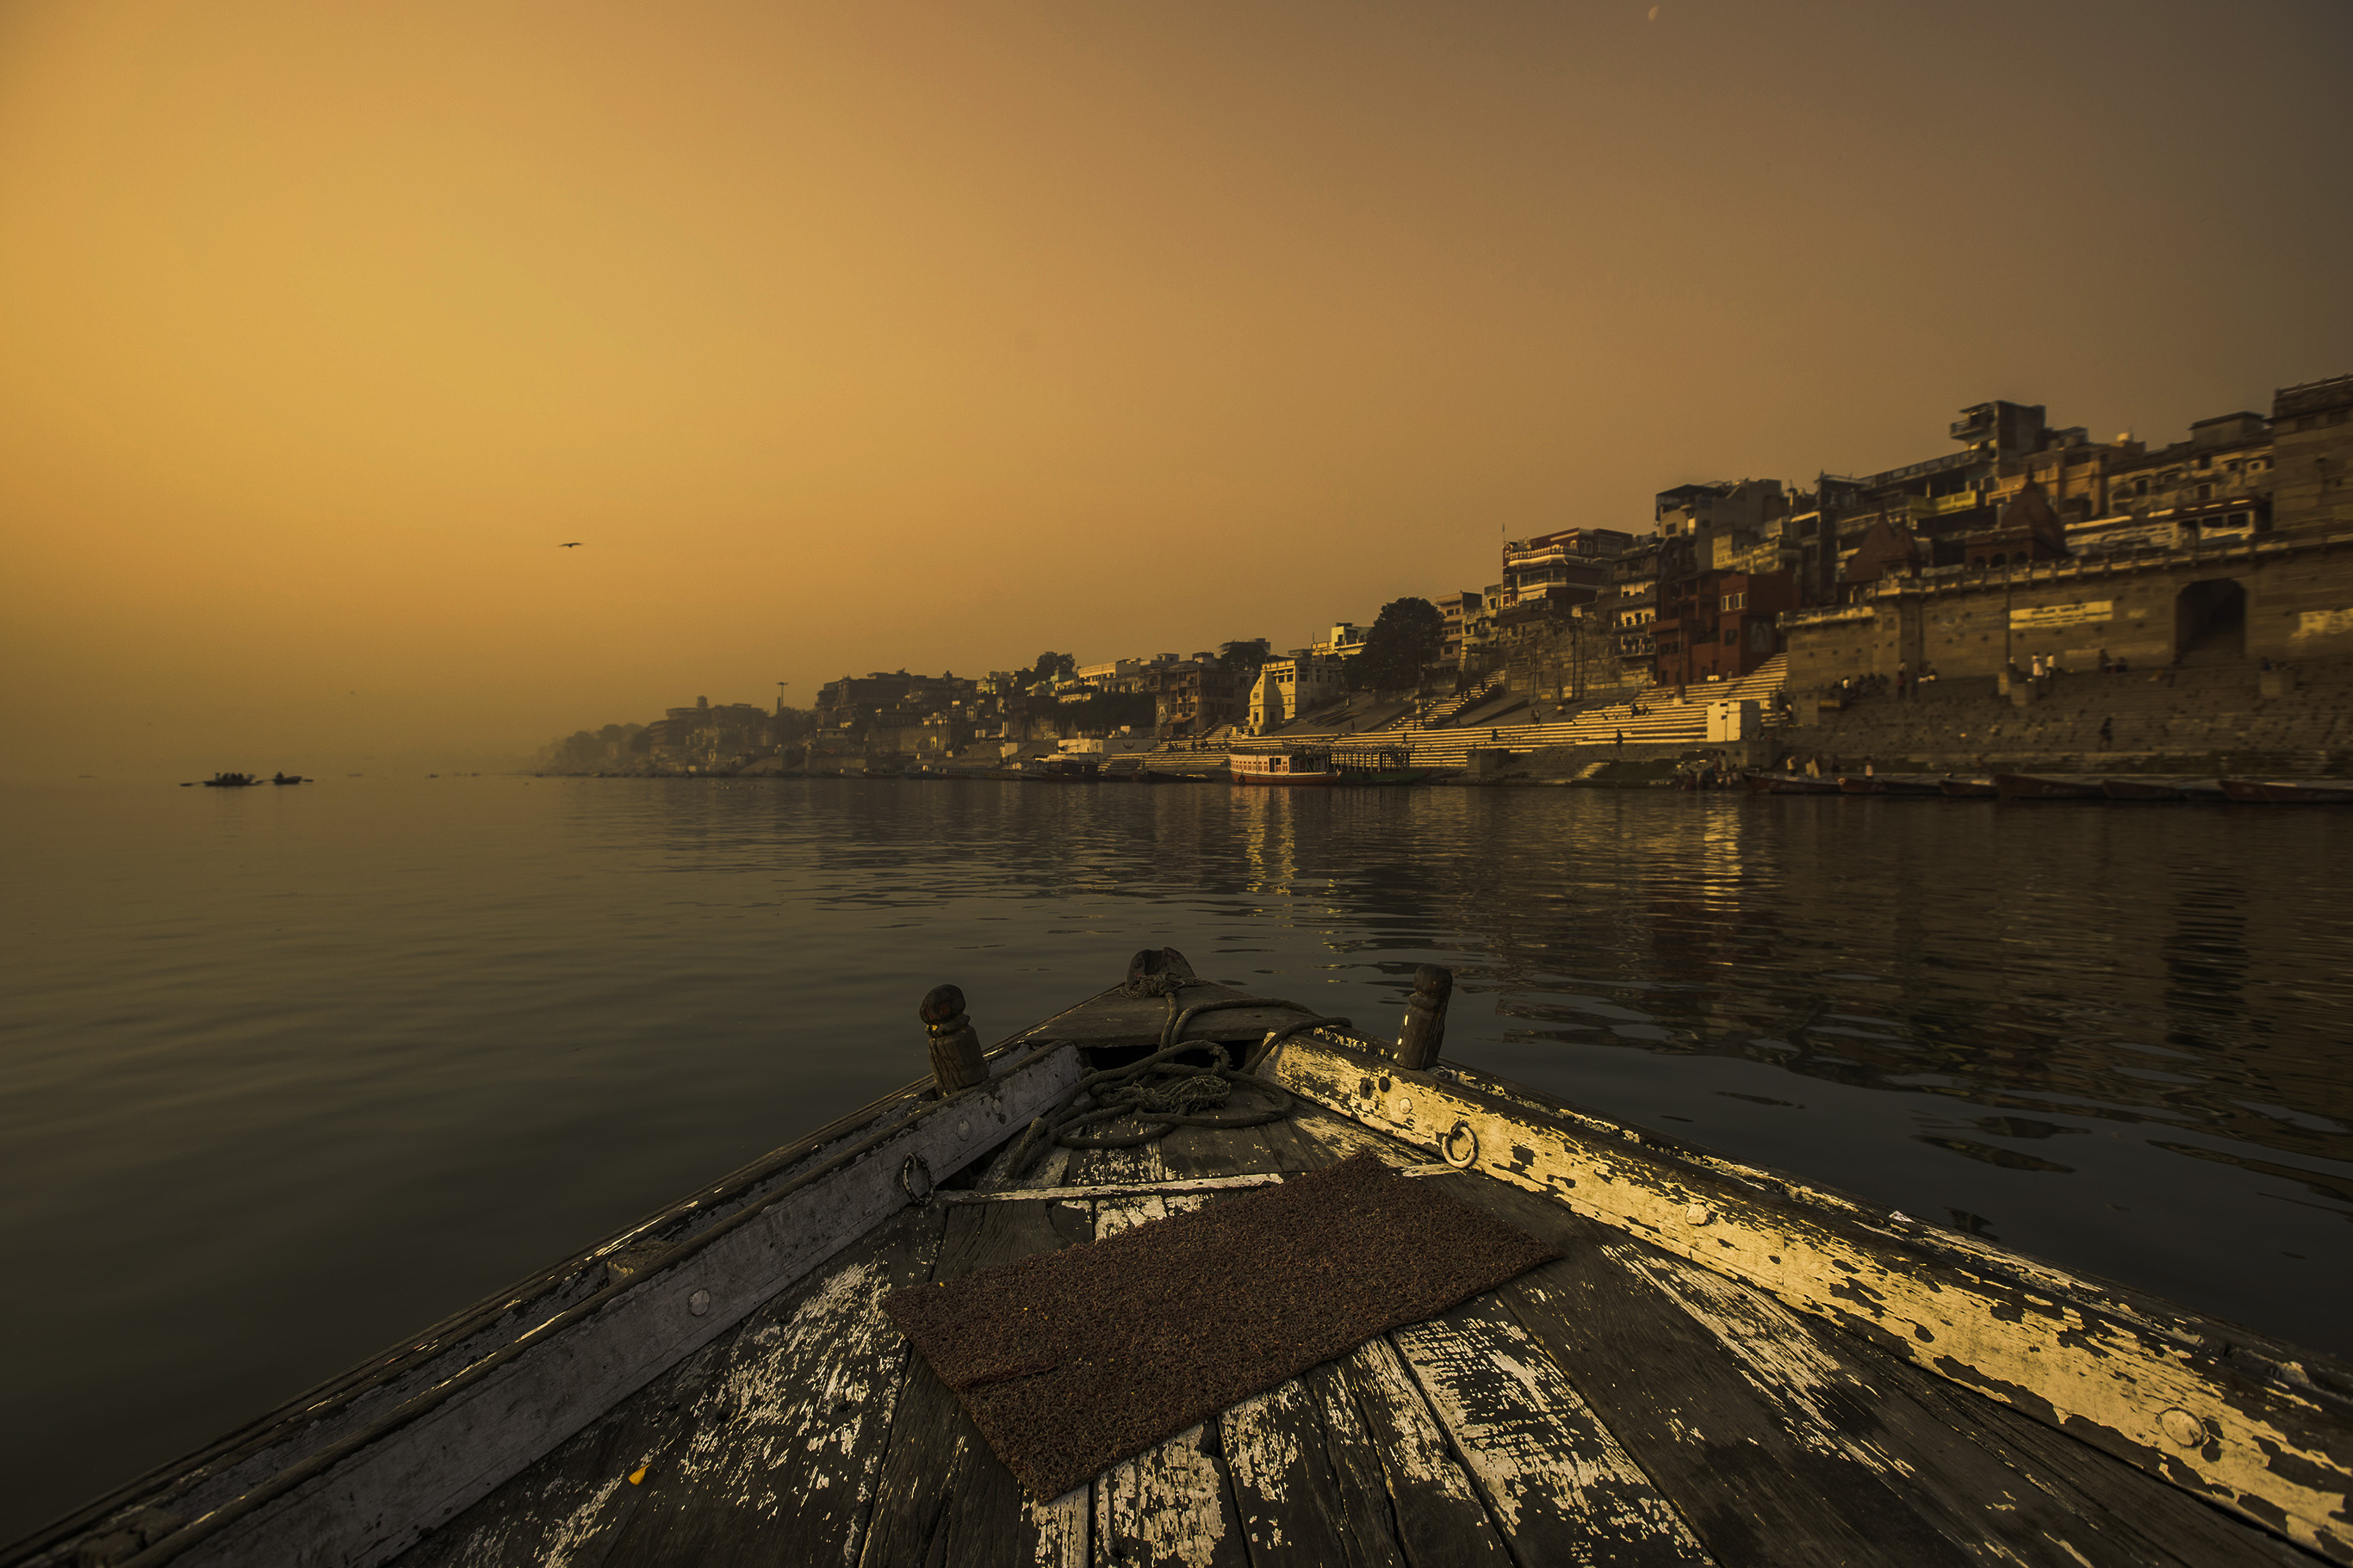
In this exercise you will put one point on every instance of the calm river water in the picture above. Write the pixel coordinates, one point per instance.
(292, 1072)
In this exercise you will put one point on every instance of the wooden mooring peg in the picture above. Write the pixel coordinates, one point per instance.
(1425, 1017)
(956, 1061)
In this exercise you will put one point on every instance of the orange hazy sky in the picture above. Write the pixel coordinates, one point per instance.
(890, 336)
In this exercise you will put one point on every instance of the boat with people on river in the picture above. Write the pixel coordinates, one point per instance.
(1183, 1274)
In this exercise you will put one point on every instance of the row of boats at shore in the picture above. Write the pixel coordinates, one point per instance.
(1310, 766)
(2063, 787)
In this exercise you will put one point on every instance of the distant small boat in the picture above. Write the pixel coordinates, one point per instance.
(1790, 783)
(2289, 792)
(1063, 770)
(2031, 786)
(231, 781)
(289, 778)
(880, 772)
(1970, 789)
(1887, 783)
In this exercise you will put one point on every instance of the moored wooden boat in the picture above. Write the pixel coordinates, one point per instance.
(1765, 783)
(1726, 1363)
(2035, 786)
(1968, 788)
(1887, 783)
(2146, 787)
(2289, 792)
(1292, 767)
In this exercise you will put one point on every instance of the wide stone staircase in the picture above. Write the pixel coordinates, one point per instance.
(1663, 721)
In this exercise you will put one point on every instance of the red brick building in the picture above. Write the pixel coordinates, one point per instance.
(1720, 626)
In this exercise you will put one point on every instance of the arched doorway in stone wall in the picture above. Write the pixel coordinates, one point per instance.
(2210, 622)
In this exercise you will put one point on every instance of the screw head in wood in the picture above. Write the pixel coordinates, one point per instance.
(1697, 1213)
(699, 1303)
(2185, 1429)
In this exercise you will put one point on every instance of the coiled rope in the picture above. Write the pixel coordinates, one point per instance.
(1162, 1093)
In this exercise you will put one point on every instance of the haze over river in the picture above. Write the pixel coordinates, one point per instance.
(294, 1072)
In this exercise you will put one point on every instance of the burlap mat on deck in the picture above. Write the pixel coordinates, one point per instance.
(1069, 1361)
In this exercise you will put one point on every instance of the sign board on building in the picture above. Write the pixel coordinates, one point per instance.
(2323, 624)
(2039, 616)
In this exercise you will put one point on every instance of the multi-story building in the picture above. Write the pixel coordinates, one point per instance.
(1720, 625)
(1287, 688)
(1457, 610)
(1633, 610)
(1556, 566)
(1346, 640)
(2312, 432)
(1193, 699)
(1479, 629)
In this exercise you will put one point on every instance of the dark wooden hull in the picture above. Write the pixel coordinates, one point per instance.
(2031, 786)
(1790, 783)
(1872, 784)
(2154, 790)
(2287, 792)
(1968, 789)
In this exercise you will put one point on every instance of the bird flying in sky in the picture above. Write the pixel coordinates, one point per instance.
(573, 544)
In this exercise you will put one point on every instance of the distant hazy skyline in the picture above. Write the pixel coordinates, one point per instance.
(883, 336)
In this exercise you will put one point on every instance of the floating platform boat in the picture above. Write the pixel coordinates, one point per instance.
(231, 781)
(1721, 1364)
(1968, 788)
(2034, 786)
(1300, 765)
(2289, 792)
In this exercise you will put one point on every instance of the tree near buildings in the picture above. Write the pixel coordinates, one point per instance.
(1408, 637)
(1051, 667)
(1244, 658)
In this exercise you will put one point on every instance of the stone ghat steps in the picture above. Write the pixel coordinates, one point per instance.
(1663, 722)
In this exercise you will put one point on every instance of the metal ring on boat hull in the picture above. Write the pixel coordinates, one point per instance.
(1462, 1133)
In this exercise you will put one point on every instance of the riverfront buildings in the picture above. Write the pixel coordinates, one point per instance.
(2025, 540)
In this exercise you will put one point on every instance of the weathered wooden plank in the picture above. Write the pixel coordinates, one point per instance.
(375, 1499)
(2255, 1431)
(1174, 1503)
(1435, 1510)
(945, 1499)
(1308, 1489)
(1559, 1487)
(765, 1442)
